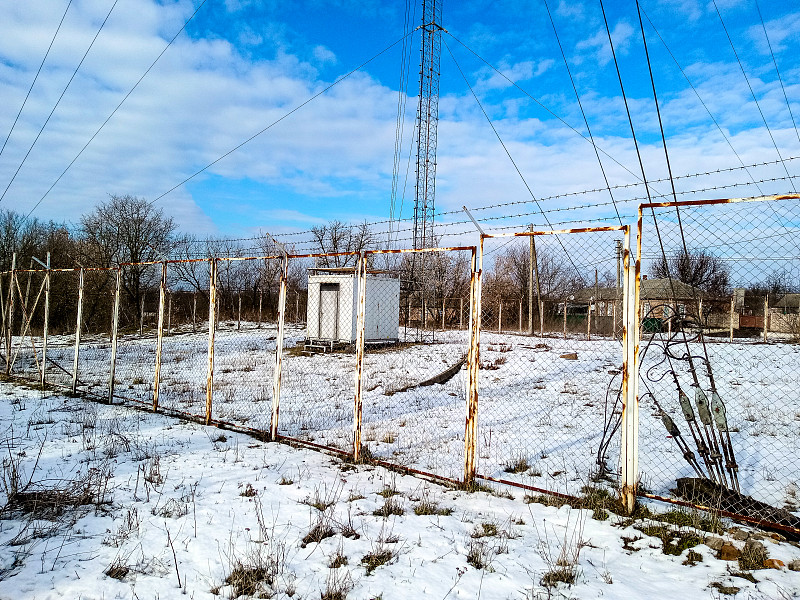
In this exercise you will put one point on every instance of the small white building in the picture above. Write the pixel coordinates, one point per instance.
(333, 305)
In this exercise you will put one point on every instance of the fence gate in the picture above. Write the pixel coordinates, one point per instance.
(719, 362)
(550, 390)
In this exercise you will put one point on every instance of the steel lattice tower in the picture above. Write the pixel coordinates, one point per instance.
(427, 123)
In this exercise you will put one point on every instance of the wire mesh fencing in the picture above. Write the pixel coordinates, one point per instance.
(24, 309)
(517, 363)
(181, 337)
(414, 372)
(244, 356)
(93, 360)
(718, 386)
(318, 361)
(549, 391)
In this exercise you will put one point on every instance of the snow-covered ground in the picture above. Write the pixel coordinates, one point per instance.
(175, 508)
(534, 405)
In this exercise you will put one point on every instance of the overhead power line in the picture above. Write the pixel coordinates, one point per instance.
(46, 54)
(55, 106)
(113, 112)
(282, 118)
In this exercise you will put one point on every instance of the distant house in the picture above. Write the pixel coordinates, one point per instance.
(789, 304)
(656, 295)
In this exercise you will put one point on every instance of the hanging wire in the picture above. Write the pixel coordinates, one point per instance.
(511, 158)
(583, 112)
(283, 117)
(55, 106)
(113, 112)
(702, 102)
(777, 71)
(46, 54)
(752, 93)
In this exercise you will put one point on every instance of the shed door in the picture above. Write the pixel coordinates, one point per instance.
(329, 311)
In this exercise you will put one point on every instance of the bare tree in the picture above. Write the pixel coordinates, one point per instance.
(697, 268)
(127, 229)
(338, 237)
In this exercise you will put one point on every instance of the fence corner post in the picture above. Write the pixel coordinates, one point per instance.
(629, 447)
(276, 379)
(357, 406)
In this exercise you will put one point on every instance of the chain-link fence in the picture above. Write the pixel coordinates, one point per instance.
(718, 387)
(414, 373)
(515, 361)
(550, 389)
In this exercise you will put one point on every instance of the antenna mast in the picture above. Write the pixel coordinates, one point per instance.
(427, 123)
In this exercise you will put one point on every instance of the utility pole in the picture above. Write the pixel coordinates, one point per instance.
(533, 273)
(530, 284)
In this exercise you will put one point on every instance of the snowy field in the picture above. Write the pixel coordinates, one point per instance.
(113, 502)
(536, 408)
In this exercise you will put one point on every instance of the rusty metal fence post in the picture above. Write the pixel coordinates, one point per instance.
(357, 405)
(471, 424)
(46, 321)
(78, 332)
(114, 336)
(629, 448)
(212, 324)
(276, 376)
(10, 322)
(162, 293)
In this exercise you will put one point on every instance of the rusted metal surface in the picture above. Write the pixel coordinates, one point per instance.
(574, 499)
(78, 332)
(114, 338)
(557, 231)
(360, 322)
(629, 449)
(212, 324)
(162, 294)
(276, 376)
(10, 321)
(724, 513)
(419, 250)
(46, 325)
(473, 357)
(717, 201)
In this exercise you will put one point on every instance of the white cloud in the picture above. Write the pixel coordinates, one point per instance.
(597, 46)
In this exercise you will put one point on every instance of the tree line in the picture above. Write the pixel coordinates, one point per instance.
(128, 230)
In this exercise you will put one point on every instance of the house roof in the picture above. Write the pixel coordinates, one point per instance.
(650, 289)
(788, 301)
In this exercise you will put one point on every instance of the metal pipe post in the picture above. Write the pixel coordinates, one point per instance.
(629, 449)
(114, 336)
(357, 407)
(212, 324)
(46, 321)
(730, 326)
(10, 322)
(78, 333)
(473, 358)
(276, 376)
(162, 296)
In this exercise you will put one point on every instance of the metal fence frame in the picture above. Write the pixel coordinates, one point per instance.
(11, 295)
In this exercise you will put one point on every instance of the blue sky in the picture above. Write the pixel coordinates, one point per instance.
(241, 65)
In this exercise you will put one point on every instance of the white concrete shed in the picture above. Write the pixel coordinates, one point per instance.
(333, 305)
